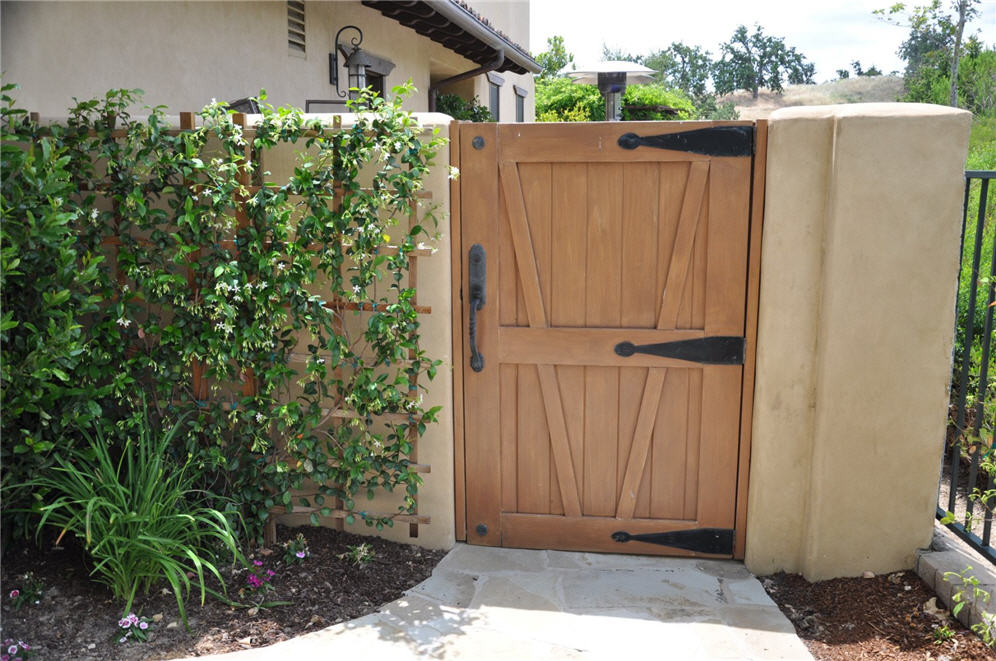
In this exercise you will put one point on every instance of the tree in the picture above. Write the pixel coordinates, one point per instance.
(860, 71)
(682, 67)
(555, 59)
(934, 40)
(752, 61)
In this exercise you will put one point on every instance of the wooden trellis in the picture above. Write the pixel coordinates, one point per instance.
(199, 385)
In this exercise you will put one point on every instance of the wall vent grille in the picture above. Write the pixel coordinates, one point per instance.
(295, 26)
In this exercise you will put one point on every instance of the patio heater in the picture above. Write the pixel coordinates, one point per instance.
(612, 77)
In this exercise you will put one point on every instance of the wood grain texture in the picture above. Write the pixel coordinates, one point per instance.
(595, 245)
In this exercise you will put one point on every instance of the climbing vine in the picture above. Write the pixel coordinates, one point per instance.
(276, 319)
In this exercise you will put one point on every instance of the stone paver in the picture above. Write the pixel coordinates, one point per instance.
(509, 604)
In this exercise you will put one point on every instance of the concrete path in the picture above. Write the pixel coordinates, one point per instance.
(516, 605)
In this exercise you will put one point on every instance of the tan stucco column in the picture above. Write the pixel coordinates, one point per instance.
(855, 332)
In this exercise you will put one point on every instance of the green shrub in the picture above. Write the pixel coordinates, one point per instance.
(560, 100)
(137, 514)
(50, 288)
(655, 95)
(931, 83)
(459, 108)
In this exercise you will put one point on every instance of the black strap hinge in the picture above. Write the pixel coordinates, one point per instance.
(715, 541)
(713, 141)
(716, 350)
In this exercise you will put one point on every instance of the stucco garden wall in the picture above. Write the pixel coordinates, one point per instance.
(859, 265)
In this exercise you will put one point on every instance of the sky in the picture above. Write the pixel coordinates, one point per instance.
(831, 34)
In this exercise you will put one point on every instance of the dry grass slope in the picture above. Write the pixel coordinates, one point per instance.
(851, 90)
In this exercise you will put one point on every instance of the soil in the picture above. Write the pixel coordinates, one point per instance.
(77, 618)
(885, 617)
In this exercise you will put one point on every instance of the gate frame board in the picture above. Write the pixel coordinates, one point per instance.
(458, 265)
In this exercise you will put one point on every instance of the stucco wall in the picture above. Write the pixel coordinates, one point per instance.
(184, 54)
(855, 333)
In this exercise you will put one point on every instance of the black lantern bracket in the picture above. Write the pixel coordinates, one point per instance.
(347, 56)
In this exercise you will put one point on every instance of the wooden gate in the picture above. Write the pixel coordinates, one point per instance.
(607, 274)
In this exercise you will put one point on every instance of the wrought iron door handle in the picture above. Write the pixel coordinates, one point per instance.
(478, 286)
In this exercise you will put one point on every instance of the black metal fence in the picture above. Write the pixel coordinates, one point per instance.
(967, 495)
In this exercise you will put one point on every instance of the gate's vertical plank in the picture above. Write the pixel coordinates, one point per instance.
(726, 273)
(536, 183)
(603, 285)
(511, 312)
(672, 184)
(720, 422)
(456, 252)
(534, 465)
(668, 449)
(692, 477)
(568, 227)
(480, 208)
(509, 406)
(753, 278)
(639, 297)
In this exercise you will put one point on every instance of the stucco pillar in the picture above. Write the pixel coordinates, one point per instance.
(855, 332)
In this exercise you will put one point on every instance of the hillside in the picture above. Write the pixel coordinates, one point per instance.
(850, 90)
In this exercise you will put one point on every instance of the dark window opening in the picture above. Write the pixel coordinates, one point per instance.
(494, 101)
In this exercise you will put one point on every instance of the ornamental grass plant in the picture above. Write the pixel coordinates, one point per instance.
(134, 508)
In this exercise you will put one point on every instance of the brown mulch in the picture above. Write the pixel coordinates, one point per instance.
(840, 619)
(871, 618)
(77, 618)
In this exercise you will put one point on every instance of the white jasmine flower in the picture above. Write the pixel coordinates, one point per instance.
(259, 417)
(124, 323)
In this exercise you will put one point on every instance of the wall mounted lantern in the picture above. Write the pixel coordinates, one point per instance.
(357, 62)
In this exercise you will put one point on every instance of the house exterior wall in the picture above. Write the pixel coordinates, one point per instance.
(858, 270)
(184, 54)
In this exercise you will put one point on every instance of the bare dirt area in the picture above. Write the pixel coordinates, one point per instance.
(885, 617)
(78, 619)
(864, 89)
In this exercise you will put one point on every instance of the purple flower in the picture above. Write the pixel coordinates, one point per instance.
(12, 649)
(14, 594)
(4, 657)
(133, 618)
(124, 623)
(143, 625)
(301, 554)
(270, 573)
(258, 563)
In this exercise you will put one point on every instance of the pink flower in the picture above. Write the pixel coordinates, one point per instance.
(301, 554)
(12, 649)
(124, 623)
(258, 563)
(4, 657)
(143, 625)
(14, 594)
(133, 618)
(270, 573)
